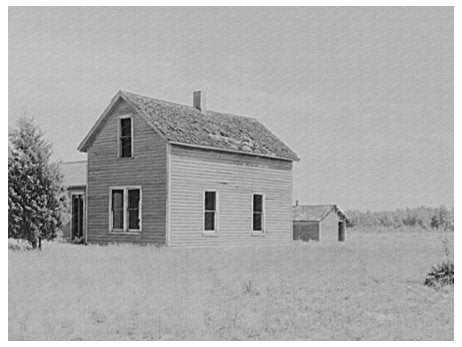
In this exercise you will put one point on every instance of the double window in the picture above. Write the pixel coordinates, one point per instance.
(125, 137)
(125, 209)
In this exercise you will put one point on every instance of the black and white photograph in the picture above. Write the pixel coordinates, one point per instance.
(201, 173)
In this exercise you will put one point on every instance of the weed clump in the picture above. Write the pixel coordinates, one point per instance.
(442, 274)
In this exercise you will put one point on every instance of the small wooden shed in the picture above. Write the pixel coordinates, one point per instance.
(325, 223)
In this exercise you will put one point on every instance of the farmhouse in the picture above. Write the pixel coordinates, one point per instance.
(324, 223)
(160, 172)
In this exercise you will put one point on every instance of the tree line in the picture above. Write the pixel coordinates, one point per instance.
(428, 218)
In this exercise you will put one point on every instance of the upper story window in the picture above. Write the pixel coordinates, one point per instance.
(125, 137)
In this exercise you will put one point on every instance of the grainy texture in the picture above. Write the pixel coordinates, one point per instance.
(192, 172)
(306, 230)
(146, 168)
(370, 288)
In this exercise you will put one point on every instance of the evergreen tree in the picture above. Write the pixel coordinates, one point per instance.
(36, 197)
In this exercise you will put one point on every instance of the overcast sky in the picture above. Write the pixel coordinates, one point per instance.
(364, 96)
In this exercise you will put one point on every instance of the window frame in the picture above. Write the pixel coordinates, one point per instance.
(119, 134)
(126, 230)
(263, 215)
(210, 232)
(84, 219)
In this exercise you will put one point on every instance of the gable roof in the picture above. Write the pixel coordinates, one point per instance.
(185, 125)
(316, 212)
(75, 173)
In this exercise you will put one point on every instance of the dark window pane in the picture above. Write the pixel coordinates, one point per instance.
(117, 199)
(133, 219)
(133, 198)
(75, 215)
(126, 147)
(125, 127)
(117, 209)
(257, 203)
(209, 221)
(257, 225)
(133, 208)
(118, 219)
(210, 201)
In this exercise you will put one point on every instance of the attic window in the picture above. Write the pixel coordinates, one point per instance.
(125, 137)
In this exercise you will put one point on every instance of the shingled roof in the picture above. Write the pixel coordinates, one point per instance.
(75, 173)
(185, 125)
(316, 212)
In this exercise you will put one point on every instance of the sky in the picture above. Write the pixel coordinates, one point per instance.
(364, 96)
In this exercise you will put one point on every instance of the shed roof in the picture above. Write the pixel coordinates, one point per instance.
(316, 212)
(75, 173)
(181, 124)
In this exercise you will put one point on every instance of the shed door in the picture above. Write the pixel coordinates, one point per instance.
(341, 231)
(77, 216)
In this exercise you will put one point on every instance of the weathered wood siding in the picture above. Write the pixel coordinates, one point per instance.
(329, 228)
(147, 168)
(235, 177)
(306, 230)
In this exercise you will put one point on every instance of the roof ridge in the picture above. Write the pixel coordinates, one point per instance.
(158, 100)
(188, 106)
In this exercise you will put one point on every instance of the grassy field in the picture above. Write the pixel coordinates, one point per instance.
(369, 288)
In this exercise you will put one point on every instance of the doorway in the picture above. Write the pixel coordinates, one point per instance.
(341, 231)
(77, 209)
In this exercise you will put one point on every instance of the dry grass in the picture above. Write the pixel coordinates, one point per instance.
(369, 288)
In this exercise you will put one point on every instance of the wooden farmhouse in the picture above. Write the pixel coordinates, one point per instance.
(326, 223)
(164, 173)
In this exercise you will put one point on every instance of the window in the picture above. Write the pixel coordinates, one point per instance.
(125, 137)
(258, 213)
(117, 209)
(125, 212)
(134, 209)
(210, 211)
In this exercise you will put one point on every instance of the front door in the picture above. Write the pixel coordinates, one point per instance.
(77, 217)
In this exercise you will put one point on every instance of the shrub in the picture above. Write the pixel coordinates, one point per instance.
(442, 274)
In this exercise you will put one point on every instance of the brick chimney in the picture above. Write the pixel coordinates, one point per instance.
(199, 101)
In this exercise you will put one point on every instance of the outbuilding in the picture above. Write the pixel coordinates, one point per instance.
(325, 223)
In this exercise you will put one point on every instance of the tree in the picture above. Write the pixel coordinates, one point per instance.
(36, 196)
